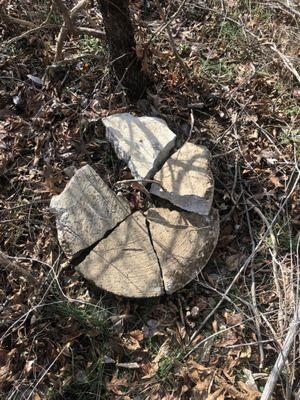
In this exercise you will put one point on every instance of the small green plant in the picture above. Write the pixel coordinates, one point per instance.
(221, 70)
(282, 231)
(86, 374)
(185, 49)
(168, 364)
(86, 385)
(230, 31)
(87, 316)
(90, 44)
(262, 13)
(289, 136)
(293, 111)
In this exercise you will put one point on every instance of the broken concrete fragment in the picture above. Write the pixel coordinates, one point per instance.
(86, 210)
(183, 243)
(144, 143)
(187, 179)
(125, 263)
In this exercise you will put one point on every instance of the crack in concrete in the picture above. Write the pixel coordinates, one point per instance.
(81, 256)
(155, 252)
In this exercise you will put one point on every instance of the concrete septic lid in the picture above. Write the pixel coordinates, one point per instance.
(139, 254)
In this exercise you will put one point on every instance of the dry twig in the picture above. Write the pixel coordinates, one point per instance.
(170, 20)
(275, 273)
(253, 292)
(283, 355)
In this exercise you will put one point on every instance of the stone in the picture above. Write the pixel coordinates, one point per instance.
(144, 143)
(187, 180)
(86, 210)
(183, 242)
(124, 262)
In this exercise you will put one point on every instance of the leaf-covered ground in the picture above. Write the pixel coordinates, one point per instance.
(219, 337)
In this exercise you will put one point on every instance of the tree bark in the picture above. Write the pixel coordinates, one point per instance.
(121, 45)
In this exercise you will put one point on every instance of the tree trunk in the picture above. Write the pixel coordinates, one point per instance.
(121, 44)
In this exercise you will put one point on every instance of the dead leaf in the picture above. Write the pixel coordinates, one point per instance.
(116, 384)
(250, 381)
(130, 343)
(137, 334)
(233, 319)
(215, 326)
(252, 393)
(275, 181)
(233, 261)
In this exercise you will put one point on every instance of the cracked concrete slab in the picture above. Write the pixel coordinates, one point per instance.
(144, 143)
(187, 179)
(141, 255)
(86, 210)
(183, 242)
(125, 263)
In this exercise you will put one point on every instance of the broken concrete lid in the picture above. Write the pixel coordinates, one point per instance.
(186, 179)
(183, 242)
(86, 210)
(134, 254)
(125, 262)
(144, 143)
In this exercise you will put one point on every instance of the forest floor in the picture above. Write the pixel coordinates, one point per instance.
(219, 337)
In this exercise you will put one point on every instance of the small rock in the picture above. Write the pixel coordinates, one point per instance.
(187, 179)
(144, 143)
(125, 263)
(86, 210)
(183, 243)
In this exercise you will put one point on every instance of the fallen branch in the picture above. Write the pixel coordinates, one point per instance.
(283, 355)
(90, 31)
(253, 285)
(13, 20)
